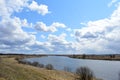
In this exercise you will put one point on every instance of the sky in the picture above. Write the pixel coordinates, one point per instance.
(60, 26)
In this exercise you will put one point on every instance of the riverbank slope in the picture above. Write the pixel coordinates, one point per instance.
(10, 69)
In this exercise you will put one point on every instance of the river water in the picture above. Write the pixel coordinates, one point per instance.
(106, 70)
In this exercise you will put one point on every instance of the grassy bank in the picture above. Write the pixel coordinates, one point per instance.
(10, 69)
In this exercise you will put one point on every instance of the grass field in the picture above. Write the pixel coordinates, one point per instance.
(10, 69)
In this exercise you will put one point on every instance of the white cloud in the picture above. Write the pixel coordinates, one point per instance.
(101, 36)
(112, 2)
(41, 9)
(40, 26)
(69, 29)
(54, 38)
(113, 35)
(58, 25)
(13, 39)
(13, 36)
(60, 44)
(25, 23)
(7, 7)
(43, 36)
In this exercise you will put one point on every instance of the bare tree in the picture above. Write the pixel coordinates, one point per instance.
(84, 73)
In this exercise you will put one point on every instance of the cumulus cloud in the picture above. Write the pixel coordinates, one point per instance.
(13, 39)
(54, 38)
(101, 36)
(13, 36)
(60, 44)
(41, 9)
(40, 26)
(7, 7)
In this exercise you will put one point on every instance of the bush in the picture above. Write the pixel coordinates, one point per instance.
(28, 63)
(24, 62)
(41, 65)
(35, 64)
(84, 73)
(49, 67)
(17, 58)
(20, 61)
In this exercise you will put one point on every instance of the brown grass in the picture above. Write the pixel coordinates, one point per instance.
(10, 69)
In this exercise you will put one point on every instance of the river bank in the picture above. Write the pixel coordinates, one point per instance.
(110, 57)
(10, 69)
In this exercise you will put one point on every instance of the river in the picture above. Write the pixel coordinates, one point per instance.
(106, 70)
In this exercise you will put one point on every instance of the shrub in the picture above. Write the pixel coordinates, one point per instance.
(16, 58)
(24, 62)
(35, 64)
(49, 67)
(41, 65)
(20, 61)
(84, 73)
(28, 63)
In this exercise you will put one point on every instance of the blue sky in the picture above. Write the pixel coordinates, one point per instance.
(60, 26)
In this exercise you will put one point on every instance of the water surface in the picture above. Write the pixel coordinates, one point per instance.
(107, 70)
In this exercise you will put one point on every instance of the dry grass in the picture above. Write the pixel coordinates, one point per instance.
(11, 70)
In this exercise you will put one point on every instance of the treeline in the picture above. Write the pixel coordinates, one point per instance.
(97, 57)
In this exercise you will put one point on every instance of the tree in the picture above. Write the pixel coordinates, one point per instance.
(84, 73)
(83, 56)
